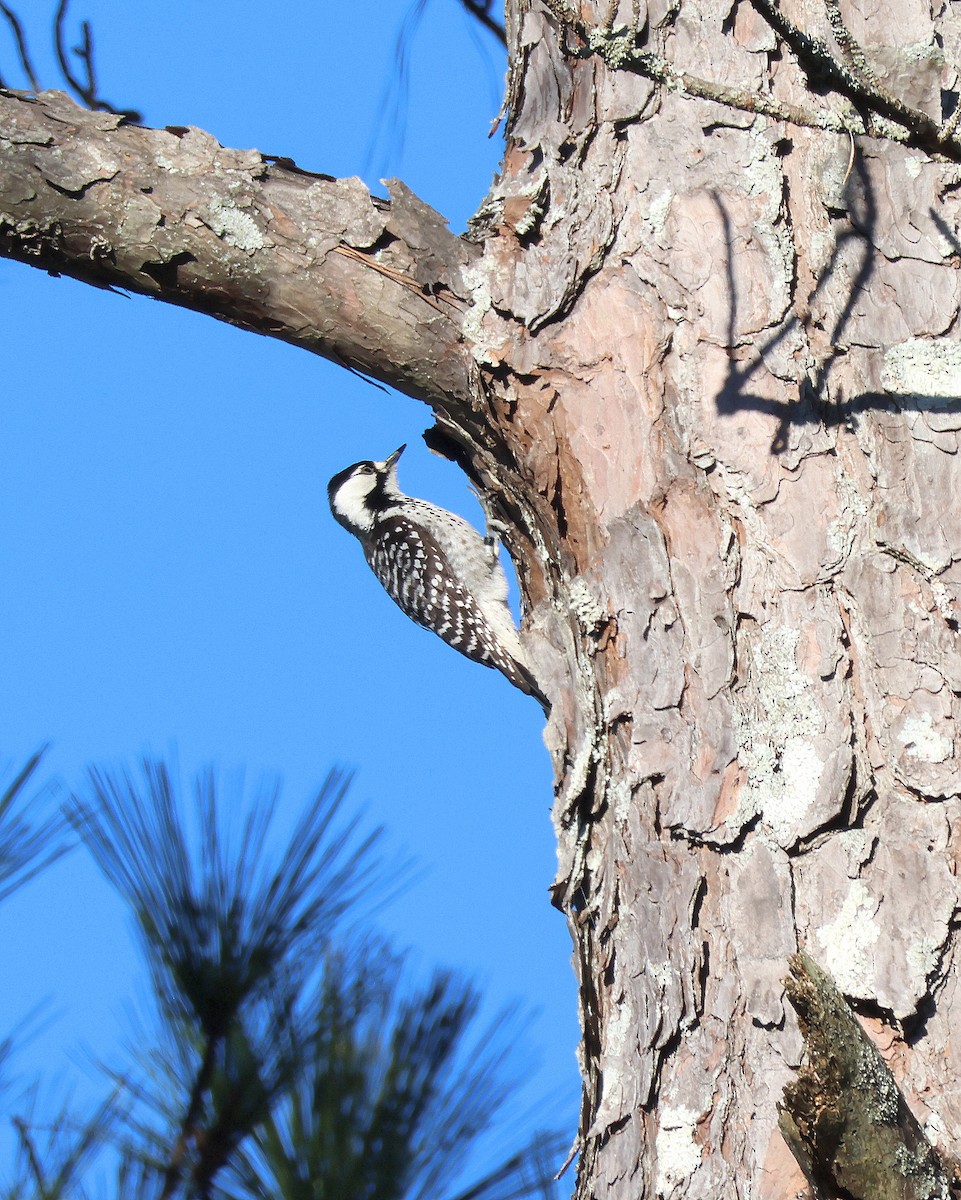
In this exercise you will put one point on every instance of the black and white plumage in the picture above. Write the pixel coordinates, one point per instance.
(434, 565)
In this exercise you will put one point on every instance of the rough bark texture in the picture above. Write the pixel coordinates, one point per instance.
(376, 285)
(740, 393)
(707, 367)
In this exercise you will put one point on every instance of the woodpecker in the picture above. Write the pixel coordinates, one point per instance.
(434, 565)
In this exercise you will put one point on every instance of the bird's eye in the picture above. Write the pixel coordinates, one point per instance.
(365, 469)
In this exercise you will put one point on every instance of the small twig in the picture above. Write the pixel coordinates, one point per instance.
(85, 92)
(857, 62)
(853, 53)
(85, 53)
(392, 273)
(174, 1170)
(847, 173)
(14, 22)
(30, 1150)
(613, 6)
(878, 114)
(563, 12)
(480, 9)
(619, 50)
(660, 70)
(817, 61)
(63, 57)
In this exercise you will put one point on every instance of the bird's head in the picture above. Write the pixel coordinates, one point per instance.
(359, 492)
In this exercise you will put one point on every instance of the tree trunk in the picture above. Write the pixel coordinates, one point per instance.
(705, 366)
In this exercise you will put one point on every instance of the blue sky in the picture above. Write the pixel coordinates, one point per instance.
(173, 578)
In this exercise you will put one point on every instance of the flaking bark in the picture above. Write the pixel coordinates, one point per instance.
(375, 285)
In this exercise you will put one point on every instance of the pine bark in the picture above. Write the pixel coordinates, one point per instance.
(374, 284)
(706, 368)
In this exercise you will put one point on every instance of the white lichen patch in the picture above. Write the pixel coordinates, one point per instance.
(849, 940)
(922, 741)
(857, 845)
(622, 800)
(922, 957)
(776, 739)
(477, 283)
(922, 51)
(676, 1147)
(658, 211)
(765, 181)
(663, 974)
(764, 178)
(585, 606)
(943, 600)
(928, 368)
(235, 226)
(617, 46)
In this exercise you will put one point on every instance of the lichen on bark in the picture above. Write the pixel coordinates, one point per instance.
(700, 364)
(844, 1116)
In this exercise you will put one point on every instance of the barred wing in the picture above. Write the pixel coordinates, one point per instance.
(414, 570)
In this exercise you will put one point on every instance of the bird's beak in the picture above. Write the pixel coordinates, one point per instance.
(392, 460)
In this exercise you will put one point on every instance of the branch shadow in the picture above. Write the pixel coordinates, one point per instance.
(815, 404)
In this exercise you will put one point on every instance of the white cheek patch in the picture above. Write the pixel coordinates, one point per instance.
(350, 500)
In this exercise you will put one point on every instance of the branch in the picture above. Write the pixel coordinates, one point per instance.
(878, 114)
(854, 56)
(844, 1118)
(87, 92)
(373, 285)
(20, 38)
(190, 1125)
(481, 11)
(655, 67)
(860, 85)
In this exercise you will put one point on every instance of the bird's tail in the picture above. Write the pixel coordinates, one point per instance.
(522, 678)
